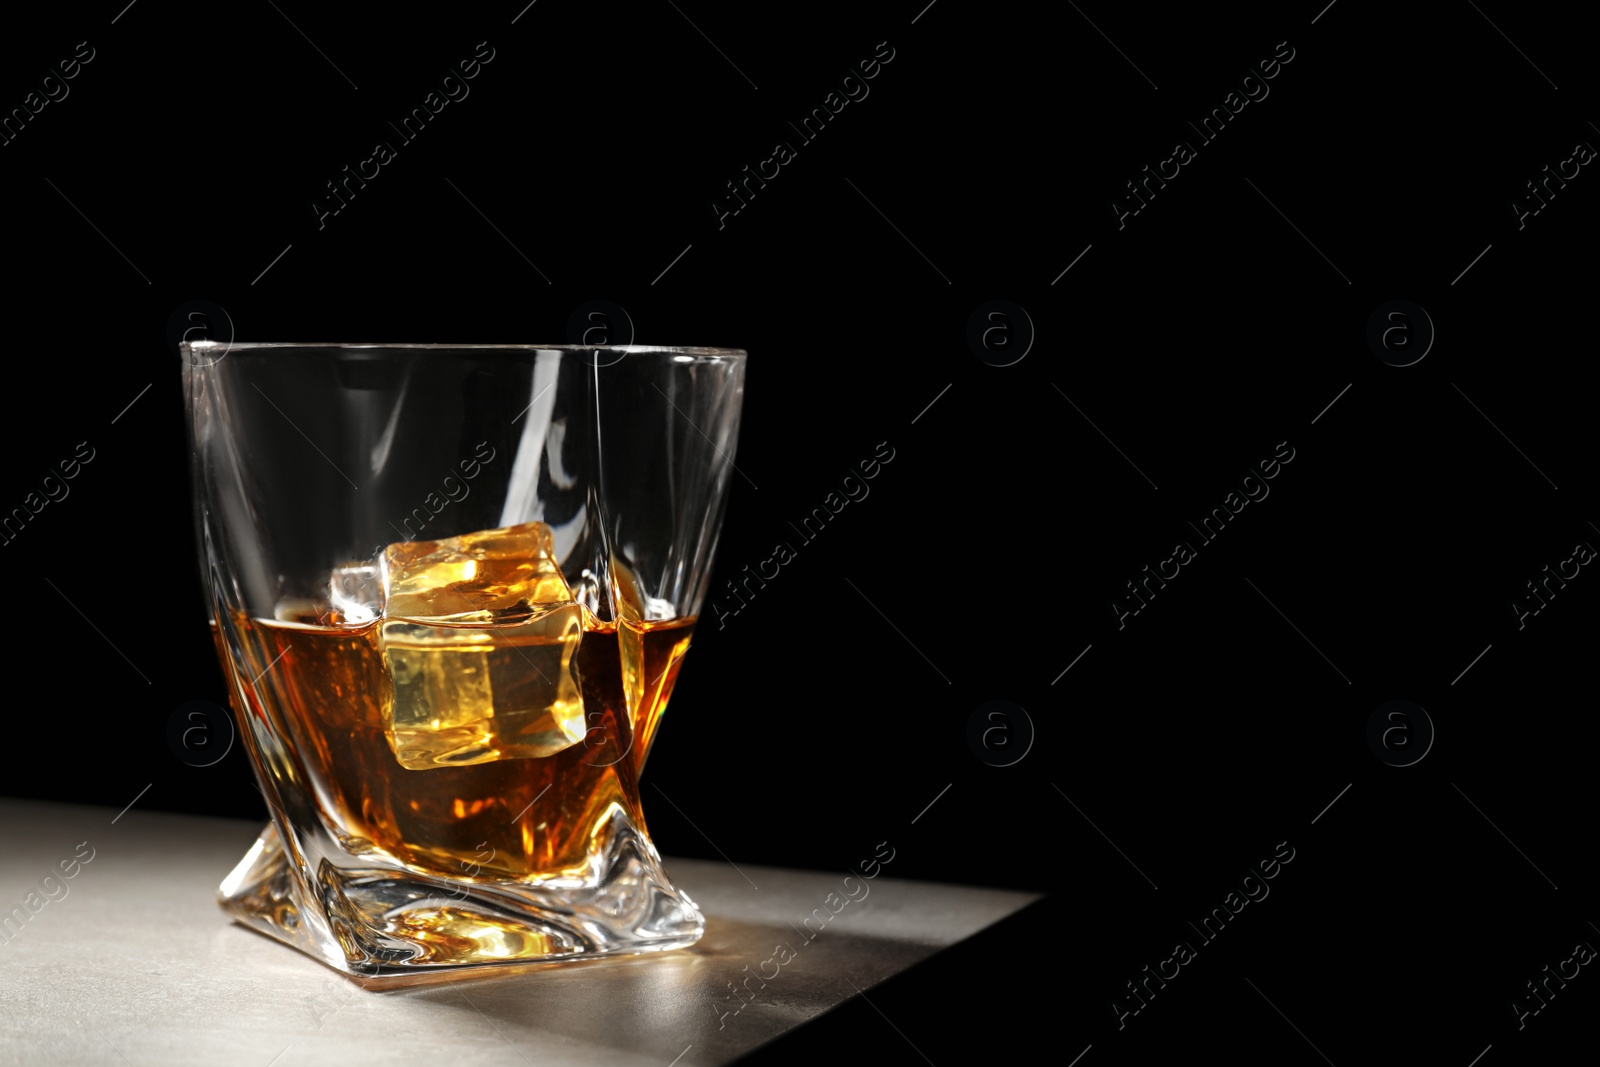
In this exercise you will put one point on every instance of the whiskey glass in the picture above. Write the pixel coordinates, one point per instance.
(451, 587)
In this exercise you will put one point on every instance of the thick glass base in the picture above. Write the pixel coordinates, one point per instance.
(375, 923)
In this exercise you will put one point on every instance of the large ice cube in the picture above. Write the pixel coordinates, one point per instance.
(479, 636)
(494, 577)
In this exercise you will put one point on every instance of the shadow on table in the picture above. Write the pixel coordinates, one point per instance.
(724, 996)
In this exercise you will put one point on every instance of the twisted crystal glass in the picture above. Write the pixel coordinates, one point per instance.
(451, 587)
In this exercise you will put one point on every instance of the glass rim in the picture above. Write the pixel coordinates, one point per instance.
(207, 346)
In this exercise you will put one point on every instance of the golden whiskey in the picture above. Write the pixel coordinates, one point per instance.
(323, 689)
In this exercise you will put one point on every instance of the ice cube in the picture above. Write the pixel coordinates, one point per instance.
(479, 638)
(491, 576)
(355, 593)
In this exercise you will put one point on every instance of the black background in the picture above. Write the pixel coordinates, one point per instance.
(1175, 353)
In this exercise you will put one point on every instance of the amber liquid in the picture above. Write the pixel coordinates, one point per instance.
(320, 691)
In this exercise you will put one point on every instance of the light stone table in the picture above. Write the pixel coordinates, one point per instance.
(131, 962)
